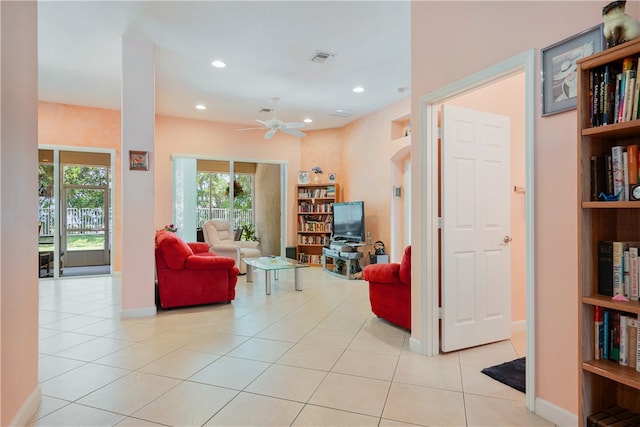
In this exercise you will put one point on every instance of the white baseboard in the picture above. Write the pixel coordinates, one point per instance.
(555, 414)
(28, 409)
(138, 312)
(518, 326)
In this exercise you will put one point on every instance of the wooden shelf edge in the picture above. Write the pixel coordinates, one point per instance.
(607, 302)
(613, 371)
(611, 205)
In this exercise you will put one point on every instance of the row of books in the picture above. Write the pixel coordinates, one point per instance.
(614, 416)
(310, 259)
(315, 193)
(305, 207)
(619, 268)
(614, 92)
(319, 223)
(614, 174)
(314, 240)
(616, 337)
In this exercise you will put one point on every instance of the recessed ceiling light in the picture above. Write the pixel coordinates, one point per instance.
(358, 89)
(307, 120)
(218, 64)
(201, 107)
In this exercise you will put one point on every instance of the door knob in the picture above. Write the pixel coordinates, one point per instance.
(507, 239)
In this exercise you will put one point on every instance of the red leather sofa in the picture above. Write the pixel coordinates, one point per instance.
(188, 274)
(390, 290)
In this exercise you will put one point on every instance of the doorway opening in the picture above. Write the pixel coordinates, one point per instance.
(429, 340)
(74, 211)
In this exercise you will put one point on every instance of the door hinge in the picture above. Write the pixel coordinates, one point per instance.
(440, 222)
(439, 133)
(440, 313)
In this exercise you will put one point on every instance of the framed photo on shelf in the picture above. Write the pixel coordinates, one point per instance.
(138, 160)
(303, 177)
(559, 70)
(332, 177)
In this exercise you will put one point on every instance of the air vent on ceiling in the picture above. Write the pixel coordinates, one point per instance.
(265, 110)
(321, 57)
(343, 113)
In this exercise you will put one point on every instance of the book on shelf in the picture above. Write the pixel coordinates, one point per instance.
(605, 268)
(614, 92)
(632, 163)
(598, 177)
(638, 347)
(629, 95)
(614, 336)
(606, 334)
(609, 172)
(617, 170)
(632, 341)
(619, 249)
(626, 267)
(609, 89)
(633, 273)
(625, 175)
(623, 341)
(598, 333)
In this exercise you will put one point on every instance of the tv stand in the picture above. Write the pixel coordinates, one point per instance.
(341, 263)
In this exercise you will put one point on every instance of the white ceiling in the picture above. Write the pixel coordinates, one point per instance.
(266, 45)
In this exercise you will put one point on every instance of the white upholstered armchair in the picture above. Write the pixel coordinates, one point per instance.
(219, 236)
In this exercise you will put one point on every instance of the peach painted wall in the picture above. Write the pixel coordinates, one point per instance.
(507, 98)
(360, 153)
(72, 126)
(490, 32)
(176, 136)
(19, 390)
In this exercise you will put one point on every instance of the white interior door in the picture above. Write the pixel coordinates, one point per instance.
(476, 256)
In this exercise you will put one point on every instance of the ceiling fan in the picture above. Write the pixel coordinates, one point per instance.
(274, 125)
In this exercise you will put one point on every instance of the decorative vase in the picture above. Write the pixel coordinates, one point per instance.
(618, 26)
(316, 178)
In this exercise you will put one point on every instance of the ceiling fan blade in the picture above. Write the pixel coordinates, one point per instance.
(270, 133)
(293, 132)
(264, 123)
(294, 125)
(251, 128)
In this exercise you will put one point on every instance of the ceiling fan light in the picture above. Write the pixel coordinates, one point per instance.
(358, 89)
(307, 120)
(218, 64)
(201, 107)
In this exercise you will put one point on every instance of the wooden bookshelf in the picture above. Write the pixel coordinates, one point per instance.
(602, 383)
(314, 220)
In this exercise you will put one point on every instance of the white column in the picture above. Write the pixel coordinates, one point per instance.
(138, 222)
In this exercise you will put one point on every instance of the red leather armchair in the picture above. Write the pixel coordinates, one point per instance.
(188, 274)
(390, 290)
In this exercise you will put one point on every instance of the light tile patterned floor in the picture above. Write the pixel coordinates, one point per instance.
(311, 358)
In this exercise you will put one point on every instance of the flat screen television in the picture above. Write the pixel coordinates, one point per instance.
(348, 222)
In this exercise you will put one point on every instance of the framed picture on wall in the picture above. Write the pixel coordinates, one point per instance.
(559, 70)
(332, 177)
(139, 160)
(303, 177)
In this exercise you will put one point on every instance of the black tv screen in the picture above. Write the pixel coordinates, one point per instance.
(348, 221)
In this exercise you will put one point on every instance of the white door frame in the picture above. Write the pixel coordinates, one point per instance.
(429, 106)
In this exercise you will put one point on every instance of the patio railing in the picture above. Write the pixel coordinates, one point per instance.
(92, 218)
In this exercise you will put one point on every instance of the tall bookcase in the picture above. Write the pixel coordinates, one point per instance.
(602, 383)
(315, 214)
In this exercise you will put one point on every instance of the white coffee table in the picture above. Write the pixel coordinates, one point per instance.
(274, 264)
